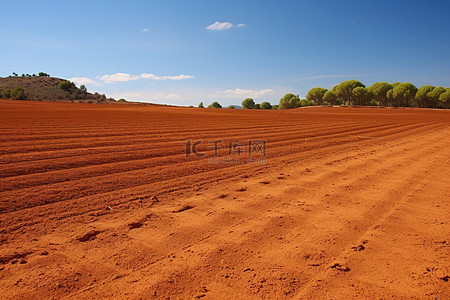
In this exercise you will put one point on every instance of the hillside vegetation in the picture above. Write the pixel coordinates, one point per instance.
(46, 88)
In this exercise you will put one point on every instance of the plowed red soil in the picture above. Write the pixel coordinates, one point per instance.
(99, 201)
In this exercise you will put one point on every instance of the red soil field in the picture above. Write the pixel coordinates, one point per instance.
(100, 201)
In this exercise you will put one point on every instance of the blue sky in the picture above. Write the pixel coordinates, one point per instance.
(184, 52)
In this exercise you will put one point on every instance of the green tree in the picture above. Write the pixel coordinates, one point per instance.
(83, 88)
(434, 95)
(257, 106)
(445, 97)
(361, 96)
(121, 100)
(330, 97)
(231, 107)
(201, 105)
(215, 105)
(306, 102)
(18, 93)
(316, 94)
(344, 90)
(266, 105)
(43, 74)
(379, 91)
(65, 85)
(275, 106)
(422, 95)
(289, 101)
(6, 93)
(248, 103)
(403, 94)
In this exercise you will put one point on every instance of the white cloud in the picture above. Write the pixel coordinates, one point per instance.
(118, 77)
(145, 30)
(223, 26)
(239, 93)
(147, 96)
(123, 77)
(173, 77)
(83, 80)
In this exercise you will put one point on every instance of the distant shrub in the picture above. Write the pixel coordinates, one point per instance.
(121, 100)
(231, 107)
(215, 105)
(201, 105)
(248, 103)
(275, 106)
(43, 74)
(266, 105)
(18, 93)
(65, 85)
(6, 94)
(83, 88)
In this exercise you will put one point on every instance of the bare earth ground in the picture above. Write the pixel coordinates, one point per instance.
(98, 201)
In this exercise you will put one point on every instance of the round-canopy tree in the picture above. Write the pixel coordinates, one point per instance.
(248, 103)
(289, 101)
(361, 96)
(215, 104)
(316, 94)
(445, 97)
(266, 105)
(379, 91)
(434, 95)
(422, 95)
(403, 94)
(344, 90)
(330, 97)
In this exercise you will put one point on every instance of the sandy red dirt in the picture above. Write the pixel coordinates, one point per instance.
(99, 201)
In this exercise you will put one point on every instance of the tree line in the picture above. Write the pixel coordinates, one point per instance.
(397, 94)
(355, 93)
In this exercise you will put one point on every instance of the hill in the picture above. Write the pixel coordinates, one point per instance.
(43, 88)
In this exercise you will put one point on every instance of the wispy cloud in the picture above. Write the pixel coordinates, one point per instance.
(119, 77)
(223, 26)
(173, 77)
(83, 80)
(156, 97)
(145, 30)
(124, 77)
(239, 93)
